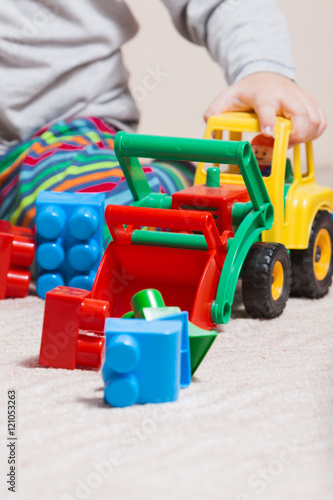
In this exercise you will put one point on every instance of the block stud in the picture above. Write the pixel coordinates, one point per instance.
(123, 353)
(50, 221)
(47, 282)
(83, 256)
(122, 391)
(84, 281)
(50, 255)
(83, 223)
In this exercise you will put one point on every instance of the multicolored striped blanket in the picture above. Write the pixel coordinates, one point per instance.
(74, 155)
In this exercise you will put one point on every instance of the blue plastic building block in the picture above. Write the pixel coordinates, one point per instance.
(174, 313)
(185, 357)
(69, 237)
(148, 304)
(142, 361)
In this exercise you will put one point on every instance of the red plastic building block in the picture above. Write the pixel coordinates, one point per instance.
(64, 345)
(17, 250)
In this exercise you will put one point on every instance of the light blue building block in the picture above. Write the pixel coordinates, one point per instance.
(174, 313)
(185, 356)
(142, 361)
(69, 237)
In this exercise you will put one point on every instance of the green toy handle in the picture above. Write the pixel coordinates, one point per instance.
(178, 148)
(128, 147)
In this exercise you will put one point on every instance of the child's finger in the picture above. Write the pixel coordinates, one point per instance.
(307, 119)
(266, 113)
(317, 119)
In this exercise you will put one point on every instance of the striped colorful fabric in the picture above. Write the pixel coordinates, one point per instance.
(74, 155)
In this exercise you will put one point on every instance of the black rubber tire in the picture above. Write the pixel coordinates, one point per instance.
(257, 280)
(304, 282)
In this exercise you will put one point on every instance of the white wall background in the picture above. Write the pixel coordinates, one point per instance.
(191, 79)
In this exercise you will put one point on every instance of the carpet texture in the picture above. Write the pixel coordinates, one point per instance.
(256, 422)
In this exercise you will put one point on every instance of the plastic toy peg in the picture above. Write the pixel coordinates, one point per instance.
(70, 239)
(213, 177)
(142, 361)
(149, 304)
(17, 250)
(73, 329)
(146, 298)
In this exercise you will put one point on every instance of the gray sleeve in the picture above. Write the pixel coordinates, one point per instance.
(243, 36)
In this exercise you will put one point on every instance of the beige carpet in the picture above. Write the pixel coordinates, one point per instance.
(256, 423)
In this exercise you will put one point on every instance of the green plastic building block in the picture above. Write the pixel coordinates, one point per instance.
(200, 343)
(149, 305)
(146, 298)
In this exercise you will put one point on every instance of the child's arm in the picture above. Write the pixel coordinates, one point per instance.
(250, 41)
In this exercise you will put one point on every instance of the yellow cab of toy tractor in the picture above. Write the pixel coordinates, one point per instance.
(302, 209)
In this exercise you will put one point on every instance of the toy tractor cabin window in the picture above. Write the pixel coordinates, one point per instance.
(297, 157)
(298, 163)
(302, 160)
(262, 147)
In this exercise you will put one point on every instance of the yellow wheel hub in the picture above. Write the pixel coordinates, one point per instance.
(322, 254)
(278, 280)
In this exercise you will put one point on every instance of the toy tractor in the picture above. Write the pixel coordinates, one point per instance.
(204, 235)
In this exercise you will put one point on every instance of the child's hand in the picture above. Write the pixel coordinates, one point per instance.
(270, 94)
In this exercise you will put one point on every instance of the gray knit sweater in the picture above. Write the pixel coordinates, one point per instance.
(62, 58)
